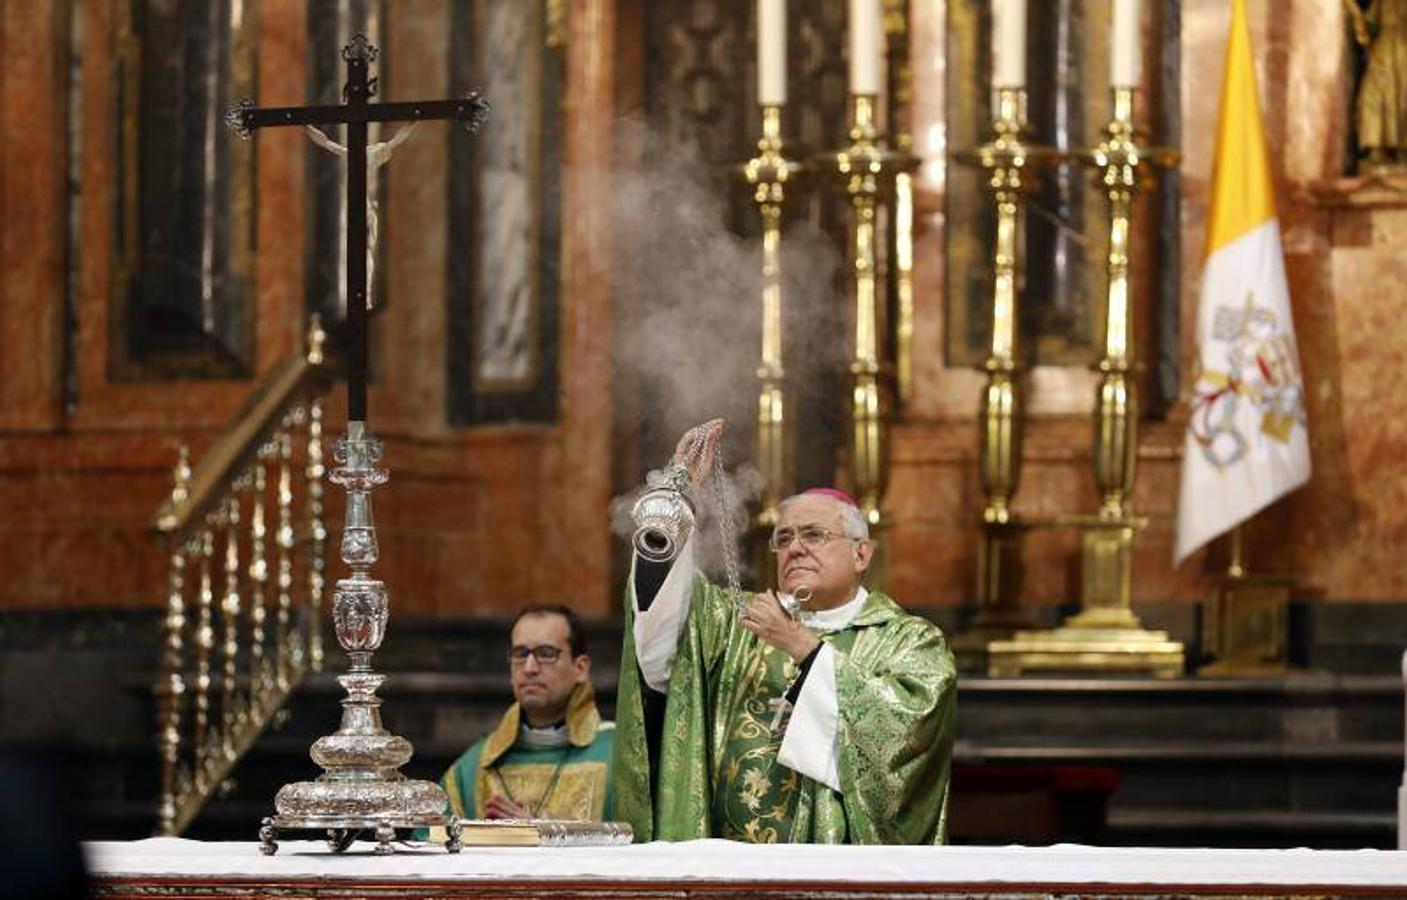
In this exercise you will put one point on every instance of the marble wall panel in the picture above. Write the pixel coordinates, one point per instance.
(409, 394)
(78, 529)
(578, 462)
(1350, 523)
(283, 45)
(33, 197)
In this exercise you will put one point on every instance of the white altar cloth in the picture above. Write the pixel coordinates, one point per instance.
(716, 861)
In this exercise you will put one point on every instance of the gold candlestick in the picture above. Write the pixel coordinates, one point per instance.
(904, 283)
(1006, 159)
(1106, 635)
(867, 169)
(768, 174)
(1106, 587)
(899, 90)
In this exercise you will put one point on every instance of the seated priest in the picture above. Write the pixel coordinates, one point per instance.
(550, 756)
(829, 723)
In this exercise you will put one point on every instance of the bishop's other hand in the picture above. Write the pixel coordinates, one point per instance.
(764, 616)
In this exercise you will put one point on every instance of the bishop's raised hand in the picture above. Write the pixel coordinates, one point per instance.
(697, 450)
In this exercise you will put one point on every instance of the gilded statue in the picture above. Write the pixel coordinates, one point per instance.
(1380, 110)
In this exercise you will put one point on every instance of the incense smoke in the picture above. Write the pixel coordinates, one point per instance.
(688, 300)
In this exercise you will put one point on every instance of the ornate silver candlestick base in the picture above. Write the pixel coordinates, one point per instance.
(361, 787)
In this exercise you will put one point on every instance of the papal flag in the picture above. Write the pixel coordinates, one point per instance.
(1247, 442)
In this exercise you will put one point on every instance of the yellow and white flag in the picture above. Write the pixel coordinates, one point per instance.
(1247, 442)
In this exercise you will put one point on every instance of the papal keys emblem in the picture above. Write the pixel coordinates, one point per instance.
(1261, 369)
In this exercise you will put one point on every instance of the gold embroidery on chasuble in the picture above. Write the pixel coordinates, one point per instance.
(579, 791)
(757, 796)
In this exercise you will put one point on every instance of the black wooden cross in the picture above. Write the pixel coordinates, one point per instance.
(355, 112)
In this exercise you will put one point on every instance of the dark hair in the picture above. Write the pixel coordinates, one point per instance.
(576, 633)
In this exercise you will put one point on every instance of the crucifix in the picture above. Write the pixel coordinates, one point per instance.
(356, 112)
(361, 789)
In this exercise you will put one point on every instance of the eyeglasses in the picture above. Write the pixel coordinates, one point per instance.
(545, 654)
(812, 537)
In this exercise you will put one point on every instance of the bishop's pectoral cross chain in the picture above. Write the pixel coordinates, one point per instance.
(356, 112)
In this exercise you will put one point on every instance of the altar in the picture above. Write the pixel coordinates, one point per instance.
(172, 867)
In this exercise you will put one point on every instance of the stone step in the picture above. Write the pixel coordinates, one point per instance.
(1301, 707)
(1320, 829)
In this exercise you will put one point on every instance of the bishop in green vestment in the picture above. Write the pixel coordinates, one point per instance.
(833, 725)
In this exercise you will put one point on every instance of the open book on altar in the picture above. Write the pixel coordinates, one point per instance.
(540, 833)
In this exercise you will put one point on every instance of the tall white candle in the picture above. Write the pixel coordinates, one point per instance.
(1125, 60)
(771, 52)
(864, 46)
(1008, 43)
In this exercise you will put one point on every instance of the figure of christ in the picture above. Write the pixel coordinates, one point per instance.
(377, 155)
(862, 748)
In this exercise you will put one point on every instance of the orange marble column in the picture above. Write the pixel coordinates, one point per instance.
(409, 335)
(283, 70)
(1343, 533)
(575, 528)
(33, 212)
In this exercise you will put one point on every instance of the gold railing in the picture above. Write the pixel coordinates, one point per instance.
(246, 541)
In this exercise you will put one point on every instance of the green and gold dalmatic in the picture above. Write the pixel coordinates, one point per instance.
(718, 770)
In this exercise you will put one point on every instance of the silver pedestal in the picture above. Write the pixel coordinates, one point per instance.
(361, 788)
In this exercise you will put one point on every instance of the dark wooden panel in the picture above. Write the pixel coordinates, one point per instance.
(184, 229)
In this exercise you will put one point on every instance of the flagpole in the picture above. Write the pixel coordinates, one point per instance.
(1237, 566)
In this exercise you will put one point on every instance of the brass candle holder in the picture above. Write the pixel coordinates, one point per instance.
(899, 91)
(768, 175)
(1106, 635)
(867, 169)
(1006, 159)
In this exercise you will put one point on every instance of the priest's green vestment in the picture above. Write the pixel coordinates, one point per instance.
(717, 772)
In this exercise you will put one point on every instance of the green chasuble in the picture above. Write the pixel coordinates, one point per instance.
(568, 782)
(719, 775)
